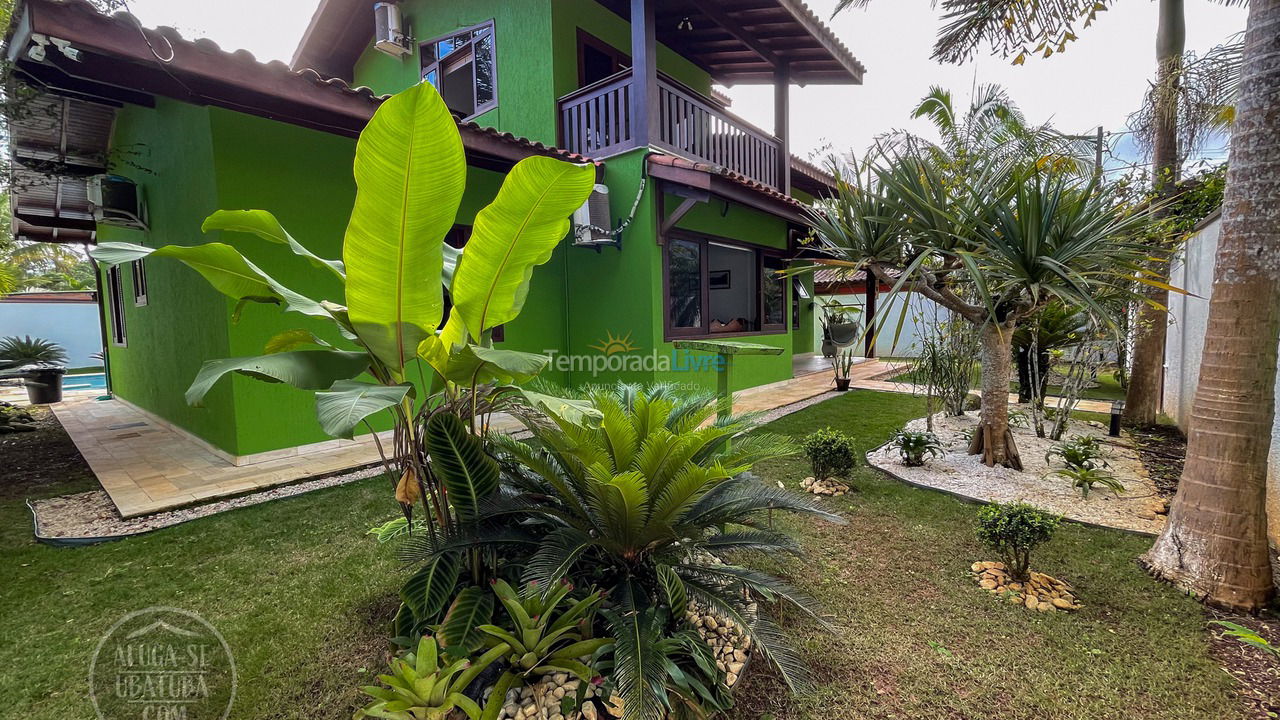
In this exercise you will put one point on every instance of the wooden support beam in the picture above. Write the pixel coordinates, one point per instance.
(669, 223)
(752, 40)
(782, 125)
(644, 72)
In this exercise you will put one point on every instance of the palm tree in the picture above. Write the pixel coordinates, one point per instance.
(1020, 29)
(993, 249)
(1215, 541)
(1057, 326)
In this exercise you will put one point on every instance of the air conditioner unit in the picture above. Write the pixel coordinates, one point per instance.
(592, 223)
(388, 33)
(116, 201)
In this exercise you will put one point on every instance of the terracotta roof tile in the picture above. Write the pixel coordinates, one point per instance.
(724, 172)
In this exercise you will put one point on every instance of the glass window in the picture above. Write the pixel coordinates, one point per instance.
(718, 287)
(115, 296)
(139, 283)
(463, 67)
(773, 293)
(684, 283)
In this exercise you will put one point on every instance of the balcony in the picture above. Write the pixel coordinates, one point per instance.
(599, 120)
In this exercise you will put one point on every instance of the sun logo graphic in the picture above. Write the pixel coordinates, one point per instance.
(613, 344)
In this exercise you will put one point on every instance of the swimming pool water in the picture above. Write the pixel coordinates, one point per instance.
(90, 381)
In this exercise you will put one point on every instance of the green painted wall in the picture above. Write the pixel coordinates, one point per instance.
(169, 152)
(536, 43)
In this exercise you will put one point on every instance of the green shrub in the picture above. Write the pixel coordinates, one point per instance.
(1013, 530)
(831, 453)
(913, 446)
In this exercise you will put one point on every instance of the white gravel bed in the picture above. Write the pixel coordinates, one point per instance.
(93, 515)
(1137, 509)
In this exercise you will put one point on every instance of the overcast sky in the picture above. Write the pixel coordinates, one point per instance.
(1098, 81)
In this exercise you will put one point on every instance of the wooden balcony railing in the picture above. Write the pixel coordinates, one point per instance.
(596, 121)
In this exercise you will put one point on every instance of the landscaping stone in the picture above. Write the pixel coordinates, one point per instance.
(963, 474)
(544, 700)
(1041, 593)
(829, 487)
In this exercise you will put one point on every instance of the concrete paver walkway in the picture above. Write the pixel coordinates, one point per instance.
(147, 467)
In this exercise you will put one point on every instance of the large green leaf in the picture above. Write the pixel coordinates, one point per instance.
(482, 365)
(348, 402)
(410, 174)
(568, 410)
(460, 632)
(266, 226)
(223, 266)
(430, 588)
(303, 369)
(459, 460)
(286, 340)
(515, 233)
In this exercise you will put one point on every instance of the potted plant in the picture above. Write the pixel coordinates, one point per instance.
(843, 364)
(839, 329)
(39, 362)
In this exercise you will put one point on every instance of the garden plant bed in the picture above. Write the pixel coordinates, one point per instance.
(959, 473)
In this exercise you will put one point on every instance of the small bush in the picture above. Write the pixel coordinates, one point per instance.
(913, 446)
(1013, 530)
(831, 453)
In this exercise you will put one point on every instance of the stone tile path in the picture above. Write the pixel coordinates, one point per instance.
(146, 467)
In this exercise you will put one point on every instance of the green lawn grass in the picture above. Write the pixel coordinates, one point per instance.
(915, 637)
(302, 595)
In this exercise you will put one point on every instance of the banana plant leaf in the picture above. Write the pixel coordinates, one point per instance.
(223, 266)
(303, 369)
(517, 232)
(348, 402)
(410, 174)
(266, 226)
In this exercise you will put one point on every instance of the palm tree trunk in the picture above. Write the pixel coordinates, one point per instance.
(1142, 400)
(992, 438)
(1215, 541)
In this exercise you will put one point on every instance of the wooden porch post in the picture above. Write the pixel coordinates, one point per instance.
(869, 310)
(644, 73)
(781, 124)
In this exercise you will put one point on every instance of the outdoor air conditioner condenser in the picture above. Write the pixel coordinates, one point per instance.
(592, 223)
(116, 201)
(389, 36)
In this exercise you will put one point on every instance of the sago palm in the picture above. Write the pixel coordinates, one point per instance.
(642, 506)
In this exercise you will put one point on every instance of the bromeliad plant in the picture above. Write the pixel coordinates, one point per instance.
(420, 687)
(540, 638)
(1084, 478)
(913, 446)
(437, 379)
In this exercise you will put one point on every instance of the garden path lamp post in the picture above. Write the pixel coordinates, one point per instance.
(1117, 409)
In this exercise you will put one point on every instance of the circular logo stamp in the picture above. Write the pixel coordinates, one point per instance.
(162, 664)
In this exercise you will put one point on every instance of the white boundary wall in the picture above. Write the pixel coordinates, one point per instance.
(1192, 271)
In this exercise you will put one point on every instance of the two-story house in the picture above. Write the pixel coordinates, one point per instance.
(703, 206)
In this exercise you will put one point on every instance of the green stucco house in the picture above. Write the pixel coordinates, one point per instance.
(702, 207)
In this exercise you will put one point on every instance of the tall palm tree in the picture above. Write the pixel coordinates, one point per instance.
(1215, 541)
(993, 249)
(1021, 29)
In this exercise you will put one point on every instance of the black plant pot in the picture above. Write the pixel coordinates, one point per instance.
(45, 386)
(842, 384)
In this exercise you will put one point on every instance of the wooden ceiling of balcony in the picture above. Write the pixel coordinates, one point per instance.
(741, 42)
